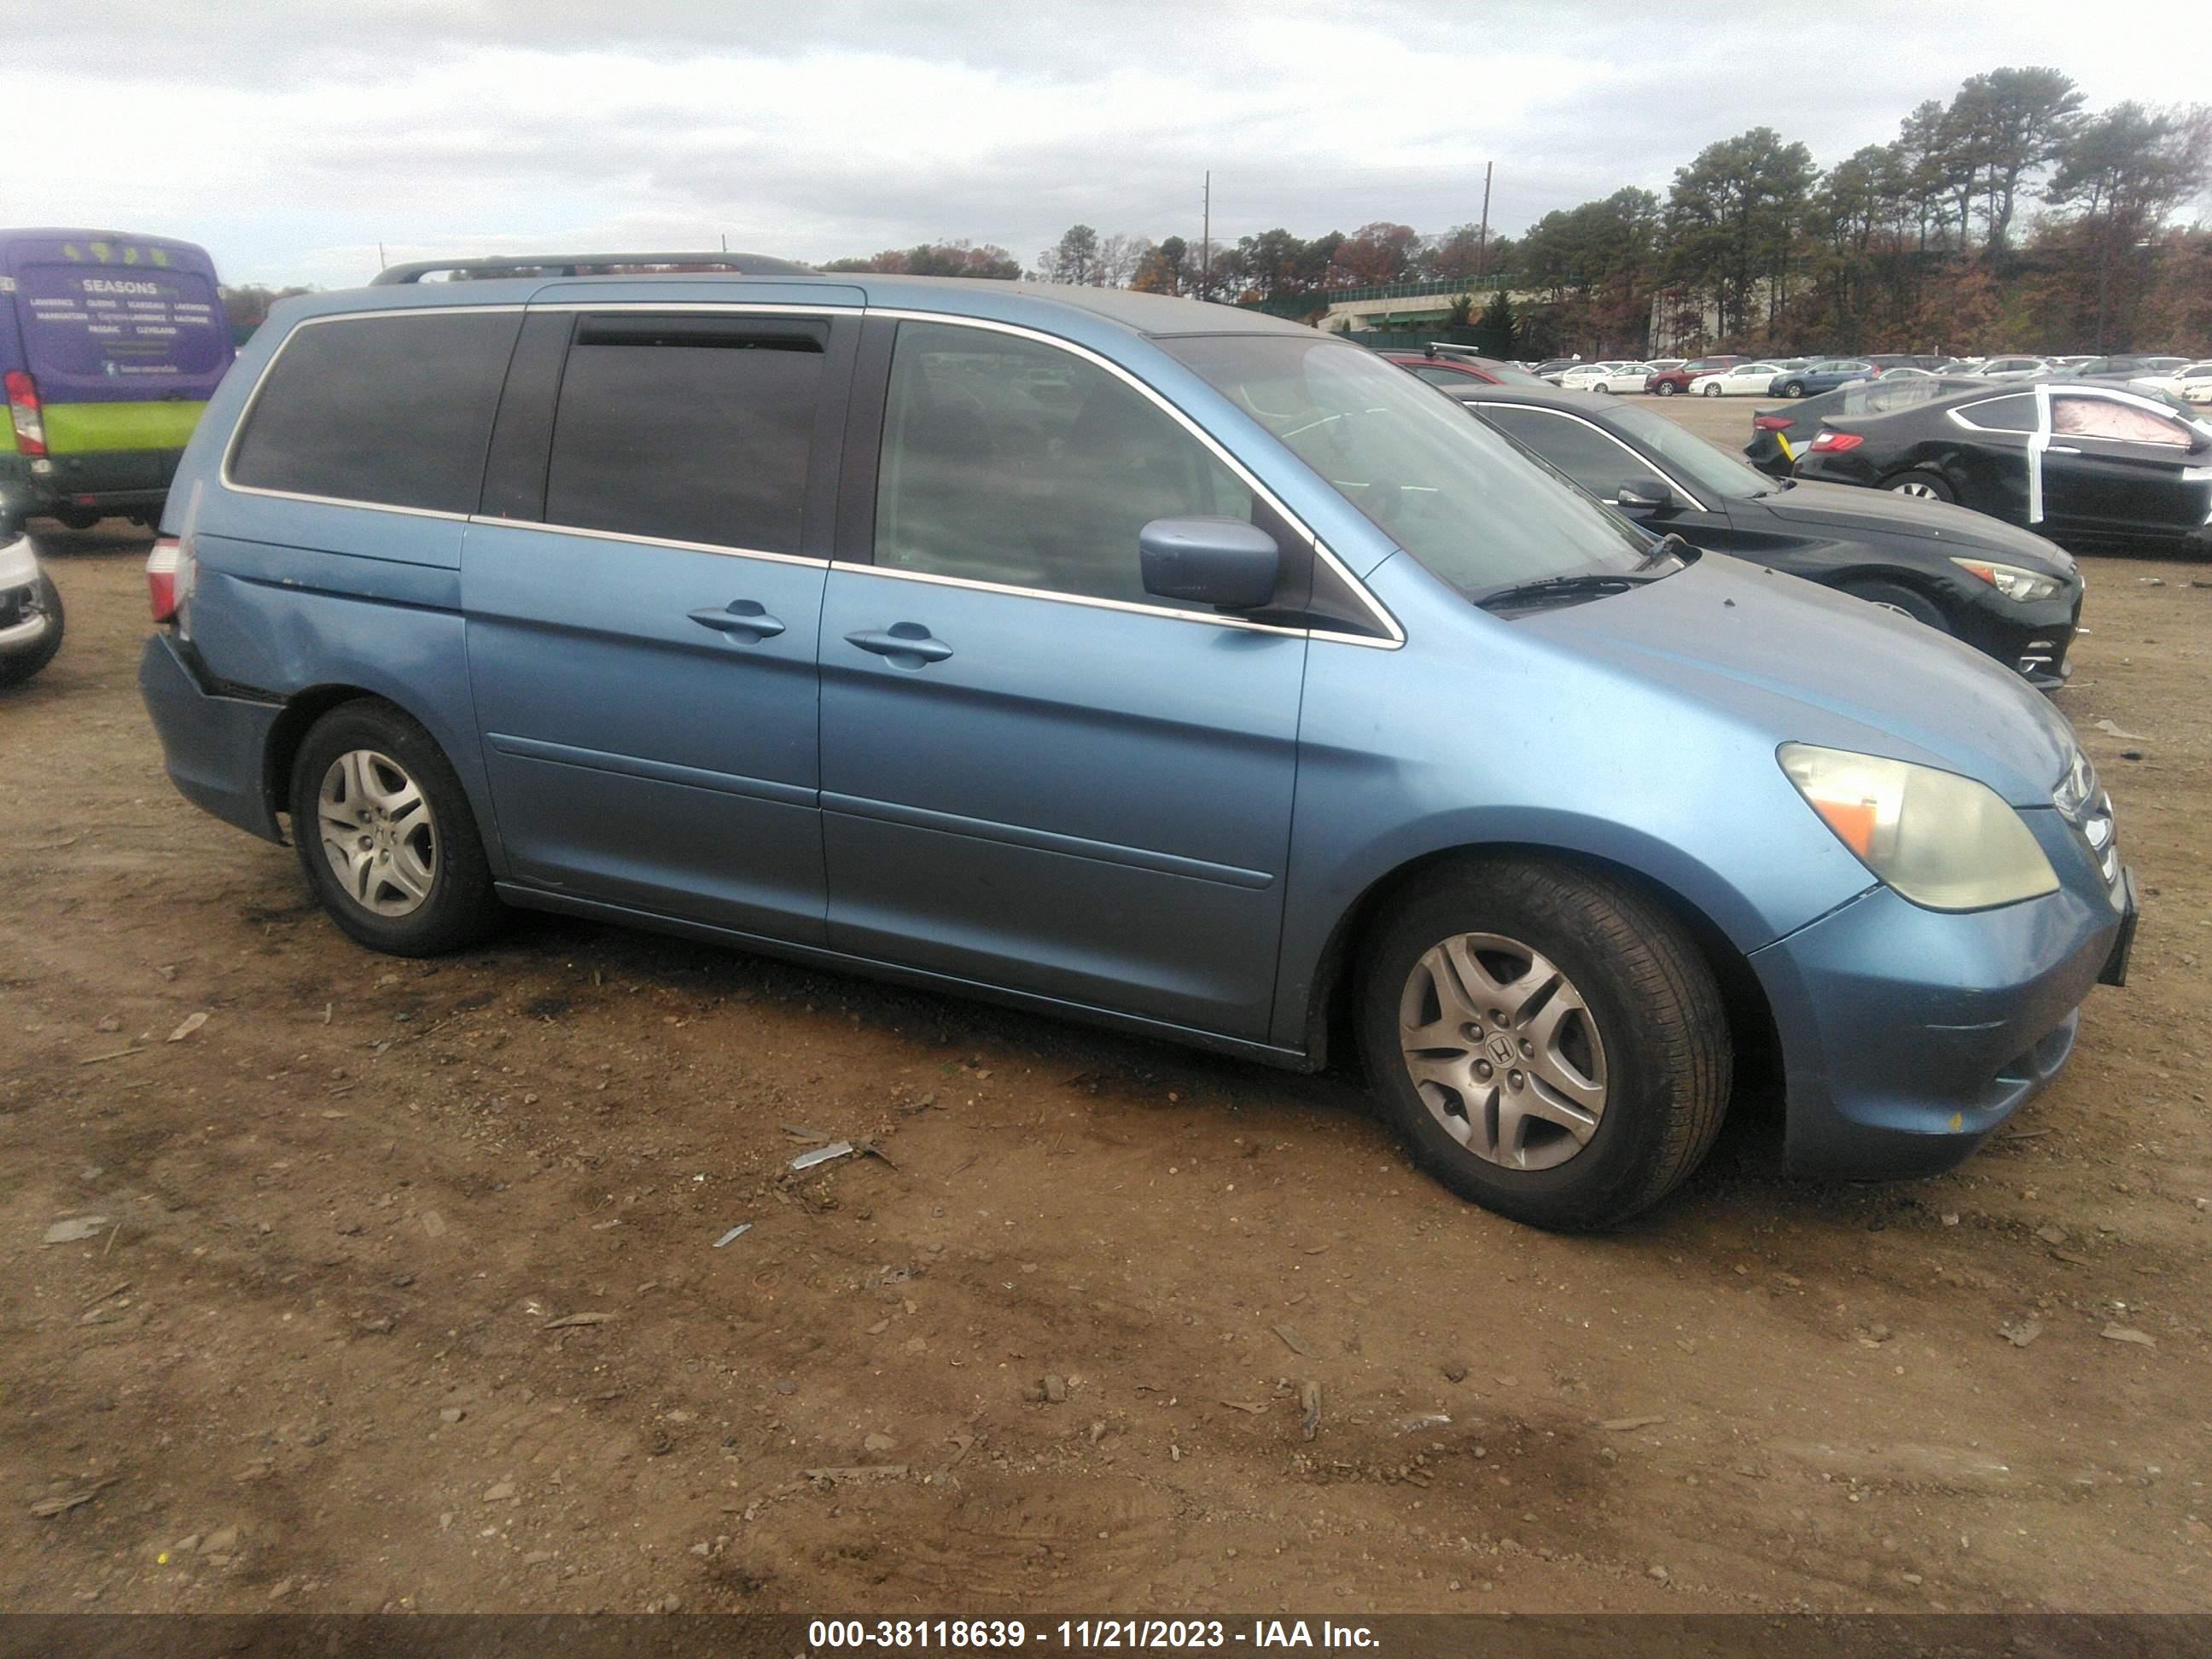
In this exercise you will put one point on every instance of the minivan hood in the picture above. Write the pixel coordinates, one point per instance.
(1846, 509)
(1808, 665)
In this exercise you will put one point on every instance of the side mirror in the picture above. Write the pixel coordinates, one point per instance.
(1224, 563)
(1644, 496)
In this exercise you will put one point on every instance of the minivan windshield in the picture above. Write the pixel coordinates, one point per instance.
(1459, 497)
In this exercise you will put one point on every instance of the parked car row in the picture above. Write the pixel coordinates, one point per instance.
(1722, 375)
(2010, 594)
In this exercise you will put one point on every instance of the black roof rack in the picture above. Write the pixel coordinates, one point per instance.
(574, 264)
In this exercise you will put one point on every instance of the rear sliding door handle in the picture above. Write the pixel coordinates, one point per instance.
(741, 617)
(2060, 449)
(908, 644)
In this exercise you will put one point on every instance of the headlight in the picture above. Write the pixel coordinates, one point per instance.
(2010, 579)
(1942, 841)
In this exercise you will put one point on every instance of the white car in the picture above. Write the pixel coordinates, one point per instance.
(1606, 377)
(2192, 382)
(2015, 368)
(1744, 380)
(30, 608)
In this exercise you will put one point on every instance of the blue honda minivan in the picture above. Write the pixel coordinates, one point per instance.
(1131, 659)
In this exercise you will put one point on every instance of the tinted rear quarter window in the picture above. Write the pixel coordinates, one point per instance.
(2014, 414)
(688, 432)
(392, 411)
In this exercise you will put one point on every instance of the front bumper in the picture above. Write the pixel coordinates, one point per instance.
(24, 620)
(214, 748)
(2033, 638)
(1909, 1035)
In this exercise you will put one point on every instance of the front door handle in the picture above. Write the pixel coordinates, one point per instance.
(908, 644)
(2061, 449)
(740, 617)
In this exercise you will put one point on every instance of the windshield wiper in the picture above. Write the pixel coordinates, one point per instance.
(1564, 587)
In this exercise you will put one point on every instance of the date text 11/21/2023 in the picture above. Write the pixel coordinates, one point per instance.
(1171, 1635)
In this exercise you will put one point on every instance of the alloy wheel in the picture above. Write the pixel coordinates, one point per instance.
(1503, 1051)
(378, 833)
(1918, 489)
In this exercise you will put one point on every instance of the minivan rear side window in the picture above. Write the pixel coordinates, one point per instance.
(687, 430)
(390, 410)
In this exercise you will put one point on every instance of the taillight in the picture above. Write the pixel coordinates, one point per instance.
(1772, 423)
(23, 410)
(1829, 443)
(168, 578)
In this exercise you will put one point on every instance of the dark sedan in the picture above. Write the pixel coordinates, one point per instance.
(1821, 374)
(2097, 468)
(1779, 436)
(2000, 590)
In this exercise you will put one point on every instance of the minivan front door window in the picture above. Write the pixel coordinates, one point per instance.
(1012, 462)
(1459, 497)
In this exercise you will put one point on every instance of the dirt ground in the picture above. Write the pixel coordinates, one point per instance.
(406, 1292)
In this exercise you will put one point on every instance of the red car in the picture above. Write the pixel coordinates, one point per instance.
(1450, 369)
(1669, 381)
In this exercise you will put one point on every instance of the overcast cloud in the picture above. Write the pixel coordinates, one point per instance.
(292, 139)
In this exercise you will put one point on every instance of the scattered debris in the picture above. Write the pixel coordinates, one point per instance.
(2051, 1235)
(1454, 1370)
(734, 1234)
(1421, 1420)
(800, 1132)
(1310, 1404)
(112, 1053)
(191, 1023)
(2112, 730)
(46, 1508)
(1056, 1390)
(860, 1472)
(499, 1492)
(77, 1230)
(1622, 1424)
(2021, 1334)
(1252, 1407)
(823, 1154)
(576, 1319)
(1297, 1344)
(2129, 1334)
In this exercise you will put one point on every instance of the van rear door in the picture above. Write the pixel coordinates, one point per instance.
(125, 356)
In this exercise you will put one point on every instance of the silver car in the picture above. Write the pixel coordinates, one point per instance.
(30, 607)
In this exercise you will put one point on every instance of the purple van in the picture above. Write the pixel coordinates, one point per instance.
(110, 347)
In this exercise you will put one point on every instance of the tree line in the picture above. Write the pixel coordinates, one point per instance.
(2007, 218)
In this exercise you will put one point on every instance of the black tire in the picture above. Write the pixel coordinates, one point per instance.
(1930, 486)
(15, 669)
(1711, 391)
(1896, 596)
(460, 906)
(1793, 389)
(1602, 388)
(1657, 1017)
(1665, 388)
(76, 518)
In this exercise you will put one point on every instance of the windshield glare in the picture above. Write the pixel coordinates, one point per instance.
(1459, 497)
(1711, 471)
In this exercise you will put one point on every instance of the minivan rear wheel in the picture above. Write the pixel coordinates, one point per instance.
(1549, 1043)
(385, 836)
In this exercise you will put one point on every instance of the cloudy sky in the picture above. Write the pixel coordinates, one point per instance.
(291, 139)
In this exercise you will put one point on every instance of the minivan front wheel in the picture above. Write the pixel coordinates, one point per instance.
(1549, 1043)
(386, 835)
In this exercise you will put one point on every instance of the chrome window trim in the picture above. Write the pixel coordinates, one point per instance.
(1377, 611)
(670, 541)
(1637, 455)
(1093, 601)
(260, 385)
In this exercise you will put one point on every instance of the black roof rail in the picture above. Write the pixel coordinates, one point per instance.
(573, 265)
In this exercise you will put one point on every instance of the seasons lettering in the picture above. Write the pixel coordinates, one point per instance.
(103, 285)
